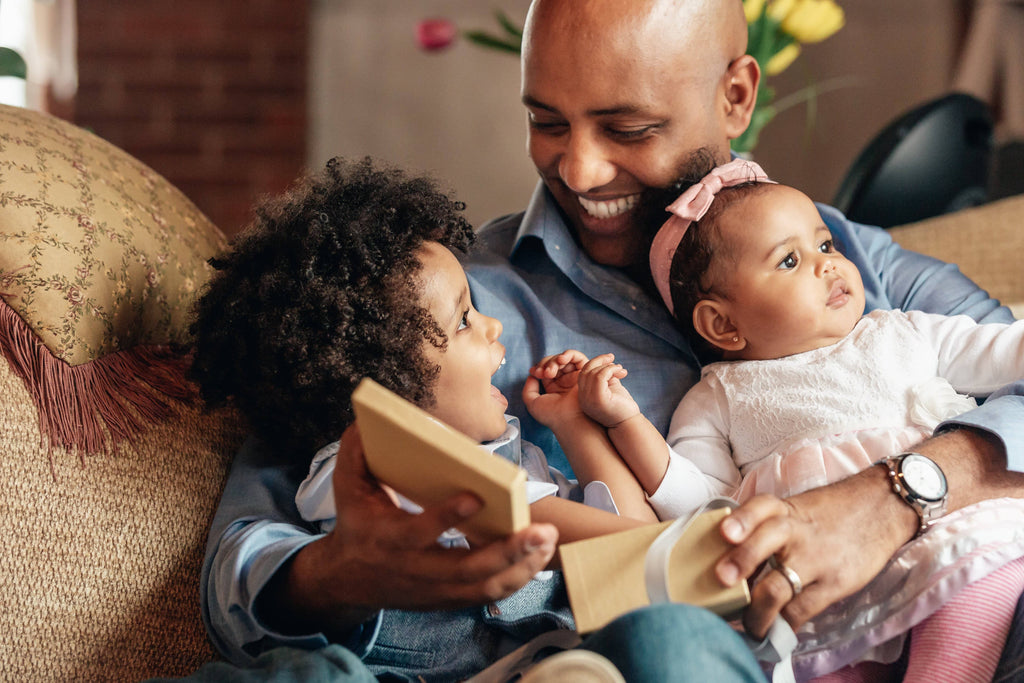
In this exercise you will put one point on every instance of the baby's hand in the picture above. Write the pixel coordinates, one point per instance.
(558, 405)
(601, 394)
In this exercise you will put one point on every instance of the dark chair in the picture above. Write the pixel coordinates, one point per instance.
(932, 160)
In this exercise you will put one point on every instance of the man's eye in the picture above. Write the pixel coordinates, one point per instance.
(789, 262)
(827, 247)
(547, 126)
(631, 133)
(464, 322)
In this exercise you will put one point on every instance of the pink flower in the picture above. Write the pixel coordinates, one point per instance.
(435, 34)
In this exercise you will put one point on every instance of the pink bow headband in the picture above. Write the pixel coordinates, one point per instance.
(689, 207)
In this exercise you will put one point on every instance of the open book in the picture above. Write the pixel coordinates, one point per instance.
(606, 577)
(428, 462)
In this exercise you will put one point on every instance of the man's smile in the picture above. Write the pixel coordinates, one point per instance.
(609, 208)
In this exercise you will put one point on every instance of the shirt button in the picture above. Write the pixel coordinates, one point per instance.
(493, 610)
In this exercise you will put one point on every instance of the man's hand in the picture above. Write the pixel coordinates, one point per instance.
(379, 557)
(838, 537)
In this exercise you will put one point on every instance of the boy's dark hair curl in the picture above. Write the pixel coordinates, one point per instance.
(319, 292)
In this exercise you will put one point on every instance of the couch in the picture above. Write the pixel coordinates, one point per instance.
(110, 468)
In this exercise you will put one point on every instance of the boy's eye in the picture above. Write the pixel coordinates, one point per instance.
(827, 247)
(789, 262)
(464, 322)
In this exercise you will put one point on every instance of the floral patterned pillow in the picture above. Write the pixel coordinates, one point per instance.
(100, 260)
(97, 252)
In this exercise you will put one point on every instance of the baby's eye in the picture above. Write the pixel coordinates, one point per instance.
(827, 247)
(789, 262)
(464, 322)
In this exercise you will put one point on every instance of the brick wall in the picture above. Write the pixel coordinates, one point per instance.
(210, 93)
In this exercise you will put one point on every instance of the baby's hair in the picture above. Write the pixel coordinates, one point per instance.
(319, 292)
(699, 266)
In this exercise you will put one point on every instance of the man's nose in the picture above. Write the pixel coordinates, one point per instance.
(584, 166)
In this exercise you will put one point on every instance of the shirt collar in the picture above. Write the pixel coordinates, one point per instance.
(610, 286)
(508, 445)
(542, 220)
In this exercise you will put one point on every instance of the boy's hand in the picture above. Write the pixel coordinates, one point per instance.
(601, 394)
(558, 373)
(557, 405)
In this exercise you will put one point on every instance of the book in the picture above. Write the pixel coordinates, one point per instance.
(428, 461)
(605, 575)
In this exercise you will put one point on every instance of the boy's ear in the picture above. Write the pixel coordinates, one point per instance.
(742, 78)
(711, 320)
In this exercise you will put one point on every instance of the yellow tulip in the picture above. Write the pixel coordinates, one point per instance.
(812, 21)
(780, 9)
(781, 60)
(752, 9)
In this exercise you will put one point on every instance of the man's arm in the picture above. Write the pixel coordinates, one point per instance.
(268, 580)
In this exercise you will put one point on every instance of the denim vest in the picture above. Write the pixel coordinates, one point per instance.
(455, 644)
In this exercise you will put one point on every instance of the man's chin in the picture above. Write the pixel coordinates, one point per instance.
(621, 250)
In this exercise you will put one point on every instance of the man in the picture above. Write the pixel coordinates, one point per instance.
(619, 94)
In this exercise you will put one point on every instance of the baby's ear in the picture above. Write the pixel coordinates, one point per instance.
(711, 320)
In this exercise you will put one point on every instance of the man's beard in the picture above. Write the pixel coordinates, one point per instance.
(651, 212)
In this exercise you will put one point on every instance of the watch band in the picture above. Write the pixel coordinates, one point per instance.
(928, 509)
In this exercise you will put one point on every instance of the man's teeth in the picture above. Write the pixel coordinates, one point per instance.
(610, 208)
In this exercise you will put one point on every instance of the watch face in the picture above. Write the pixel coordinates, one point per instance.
(923, 478)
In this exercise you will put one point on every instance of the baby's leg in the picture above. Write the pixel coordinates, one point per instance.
(963, 640)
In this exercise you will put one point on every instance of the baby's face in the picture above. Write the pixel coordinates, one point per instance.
(788, 290)
(464, 396)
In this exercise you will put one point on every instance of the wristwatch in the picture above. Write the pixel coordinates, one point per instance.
(920, 483)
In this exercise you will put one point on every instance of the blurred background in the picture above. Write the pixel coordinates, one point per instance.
(230, 99)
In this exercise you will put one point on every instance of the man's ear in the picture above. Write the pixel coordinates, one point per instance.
(711, 320)
(741, 79)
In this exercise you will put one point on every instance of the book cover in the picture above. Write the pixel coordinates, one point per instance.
(605, 575)
(428, 462)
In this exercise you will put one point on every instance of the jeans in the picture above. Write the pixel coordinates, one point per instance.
(674, 642)
(1011, 663)
(667, 642)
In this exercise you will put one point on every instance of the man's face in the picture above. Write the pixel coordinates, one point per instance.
(613, 114)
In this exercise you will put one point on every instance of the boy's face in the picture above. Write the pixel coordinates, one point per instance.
(788, 289)
(464, 396)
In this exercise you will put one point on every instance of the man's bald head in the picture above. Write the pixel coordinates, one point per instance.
(705, 31)
(621, 94)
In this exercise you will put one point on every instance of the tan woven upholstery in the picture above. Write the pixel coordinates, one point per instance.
(987, 242)
(100, 577)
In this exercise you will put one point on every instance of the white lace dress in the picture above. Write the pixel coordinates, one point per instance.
(787, 425)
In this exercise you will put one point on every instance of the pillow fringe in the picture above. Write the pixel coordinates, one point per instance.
(92, 407)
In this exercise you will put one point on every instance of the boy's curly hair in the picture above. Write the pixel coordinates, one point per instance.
(319, 292)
